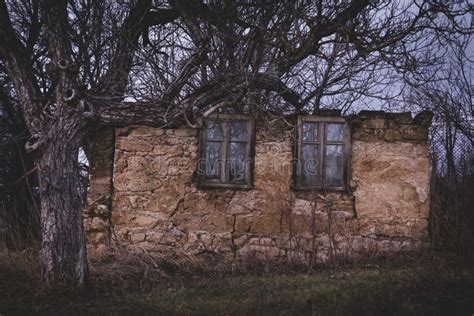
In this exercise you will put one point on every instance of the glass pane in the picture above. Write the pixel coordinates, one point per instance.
(333, 165)
(238, 130)
(236, 163)
(309, 164)
(213, 159)
(334, 132)
(310, 132)
(214, 130)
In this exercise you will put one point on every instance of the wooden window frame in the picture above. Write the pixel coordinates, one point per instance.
(223, 182)
(322, 142)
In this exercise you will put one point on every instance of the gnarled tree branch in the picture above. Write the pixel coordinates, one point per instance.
(16, 58)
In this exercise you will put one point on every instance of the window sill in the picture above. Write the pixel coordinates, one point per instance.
(235, 186)
(320, 188)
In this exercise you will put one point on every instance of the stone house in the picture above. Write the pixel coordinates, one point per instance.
(301, 187)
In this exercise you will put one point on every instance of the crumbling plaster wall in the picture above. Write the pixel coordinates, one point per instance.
(100, 151)
(156, 203)
(390, 171)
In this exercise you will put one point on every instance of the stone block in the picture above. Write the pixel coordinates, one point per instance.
(137, 143)
(265, 224)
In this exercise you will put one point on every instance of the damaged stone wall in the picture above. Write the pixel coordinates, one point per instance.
(97, 215)
(390, 168)
(157, 205)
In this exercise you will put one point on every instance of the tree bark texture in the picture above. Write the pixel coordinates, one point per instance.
(63, 239)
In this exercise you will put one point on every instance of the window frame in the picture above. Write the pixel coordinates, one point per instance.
(322, 143)
(221, 182)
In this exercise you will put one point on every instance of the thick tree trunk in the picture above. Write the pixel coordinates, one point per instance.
(63, 240)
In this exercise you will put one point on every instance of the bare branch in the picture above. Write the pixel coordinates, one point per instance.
(15, 58)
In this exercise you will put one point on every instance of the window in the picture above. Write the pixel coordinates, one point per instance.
(322, 153)
(225, 152)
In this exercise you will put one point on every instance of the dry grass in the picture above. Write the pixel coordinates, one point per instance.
(142, 282)
(120, 270)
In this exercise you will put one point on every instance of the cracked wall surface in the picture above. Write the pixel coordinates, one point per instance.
(100, 153)
(157, 205)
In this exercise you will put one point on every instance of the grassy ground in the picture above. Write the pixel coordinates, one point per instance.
(415, 285)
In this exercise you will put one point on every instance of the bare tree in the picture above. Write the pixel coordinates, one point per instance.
(449, 96)
(72, 64)
(304, 55)
(19, 220)
(59, 110)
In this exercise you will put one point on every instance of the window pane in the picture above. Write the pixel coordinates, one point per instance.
(310, 132)
(214, 130)
(213, 159)
(334, 132)
(236, 162)
(238, 130)
(309, 164)
(333, 165)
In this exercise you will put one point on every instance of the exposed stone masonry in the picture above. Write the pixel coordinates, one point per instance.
(97, 216)
(157, 205)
